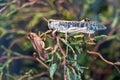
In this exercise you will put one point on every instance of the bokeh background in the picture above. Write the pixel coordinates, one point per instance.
(17, 17)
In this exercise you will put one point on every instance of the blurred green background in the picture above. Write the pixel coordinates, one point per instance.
(17, 17)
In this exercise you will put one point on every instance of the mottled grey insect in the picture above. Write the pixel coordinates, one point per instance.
(75, 27)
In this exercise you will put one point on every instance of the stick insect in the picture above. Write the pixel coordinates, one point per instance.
(75, 27)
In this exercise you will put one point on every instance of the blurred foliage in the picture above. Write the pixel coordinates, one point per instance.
(18, 17)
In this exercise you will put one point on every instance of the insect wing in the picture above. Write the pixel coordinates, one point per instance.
(93, 25)
(76, 30)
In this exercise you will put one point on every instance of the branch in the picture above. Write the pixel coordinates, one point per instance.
(24, 77)
(102, 41)
(98, 54)
(46, 66)
(16, 58)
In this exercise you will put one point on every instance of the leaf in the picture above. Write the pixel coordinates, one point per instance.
(117, 63)
(67, 45)
(35, 20)
(58, 56)
(115, 20)
(79, 36)
(53, 68)
(2, 32)
(50, 60)
(91, 43)
(97, 38)
(75, 57)
(68, 74)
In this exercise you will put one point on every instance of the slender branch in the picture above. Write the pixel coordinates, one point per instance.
(46, 66)
(74, 72)
(7, 6)
(98, 54)
(24, 77)
(64, 58)
(102, 41)
(16, 58)
(24, 57)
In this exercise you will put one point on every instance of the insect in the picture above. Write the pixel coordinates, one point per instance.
(38, 45)
(75, 27)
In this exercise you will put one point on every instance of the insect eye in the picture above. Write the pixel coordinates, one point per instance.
(50, 21)
(86, 19)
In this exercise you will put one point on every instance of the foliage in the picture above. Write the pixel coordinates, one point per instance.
(18, 17)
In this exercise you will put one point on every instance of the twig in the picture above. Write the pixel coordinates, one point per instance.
(24, 57)
(7, 6)
(29, 3)
(3, 9)
(115, 64)
(64, 58)
(34, 76)
(16, 58)
(24, 77)
(73, 70)
(98, 54)
(46, 66)
(40, 74)
(102, 41)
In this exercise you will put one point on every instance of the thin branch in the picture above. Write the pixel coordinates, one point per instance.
(3, 9)
(102, 41)
(40, 74)
(7, 6)
(74, 72)
(64, 58)
(46, 66)
(16, 58)
(24, 57)
(24, 77)
(98, 54)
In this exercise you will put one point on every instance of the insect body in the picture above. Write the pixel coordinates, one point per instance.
(75, 27)
(38, 45)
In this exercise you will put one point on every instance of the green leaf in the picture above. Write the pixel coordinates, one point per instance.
(101, 37)
(35, 20)
(50, 60)
(53, 68)
(2, 32)
(68, 74)
(75, 57)
(116, 19)
(67, 45)
(90, 42)
(79, 36)
(58, 56)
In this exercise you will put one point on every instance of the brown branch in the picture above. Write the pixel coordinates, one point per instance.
(16, 58)
(29, 3)
(40, 74)
(7, 6)
(46, 66)
(98, 54)
(3, 9)
(74, 72)
(102, 41)
(24, 57)
(24, 77)
(64, 57)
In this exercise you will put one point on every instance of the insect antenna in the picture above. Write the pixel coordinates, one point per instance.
(45, 19)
